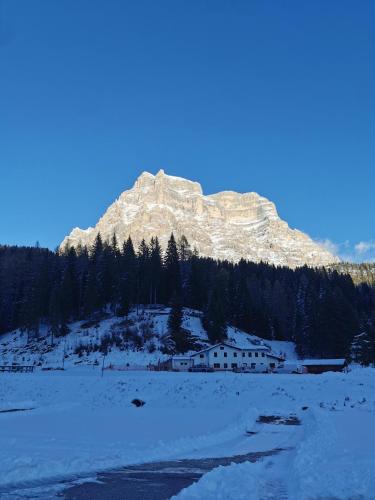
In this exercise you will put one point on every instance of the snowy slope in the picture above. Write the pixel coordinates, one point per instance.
(81, 345)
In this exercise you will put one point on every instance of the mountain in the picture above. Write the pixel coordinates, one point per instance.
(226, 225)
(360, 273)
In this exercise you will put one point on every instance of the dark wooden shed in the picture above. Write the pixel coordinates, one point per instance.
(317, 366)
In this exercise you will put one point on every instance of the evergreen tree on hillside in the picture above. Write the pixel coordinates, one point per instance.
(175, 316)
(143, 273)
(214, 319)
(127, 279)
(363, 344)
(156, 270)
(183, 249)
(92, 301)
(172, 276)
(196, 285)
(184, 256)
(69, 289)
(97, 247)
(181, 338)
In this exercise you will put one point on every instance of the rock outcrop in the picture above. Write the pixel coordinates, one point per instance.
(226, 225)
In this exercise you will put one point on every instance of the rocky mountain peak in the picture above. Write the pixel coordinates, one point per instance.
(225, 225)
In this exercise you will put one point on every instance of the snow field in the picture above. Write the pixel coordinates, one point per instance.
(82, 423)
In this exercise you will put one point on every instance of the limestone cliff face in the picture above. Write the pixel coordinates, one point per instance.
(225, 225)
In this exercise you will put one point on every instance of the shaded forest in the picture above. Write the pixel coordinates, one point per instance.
(321, 310)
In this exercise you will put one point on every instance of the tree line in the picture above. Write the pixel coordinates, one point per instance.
(321, 310)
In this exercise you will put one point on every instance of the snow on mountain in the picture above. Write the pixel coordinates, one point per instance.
(226, 225)
(136, 341)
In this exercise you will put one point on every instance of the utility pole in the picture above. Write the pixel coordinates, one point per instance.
(103, 363)
(64, 353)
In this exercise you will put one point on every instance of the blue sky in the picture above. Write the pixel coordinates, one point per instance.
(275, 97)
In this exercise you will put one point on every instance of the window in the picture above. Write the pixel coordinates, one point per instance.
(262, 354)
(225, 355)
(216, 365)
(225, 365)
(201, 355)
(221, 348)
(215, 354)
(249, 354)
(235, 354)
(243, 354)
(256, 354)
(272, 365)
(253, 365)
(234, 365)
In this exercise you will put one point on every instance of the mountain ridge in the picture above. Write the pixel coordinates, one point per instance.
(225, 225)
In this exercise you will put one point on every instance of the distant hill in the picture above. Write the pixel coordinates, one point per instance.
(360, 273)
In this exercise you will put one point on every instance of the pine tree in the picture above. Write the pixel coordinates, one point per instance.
(363, 345)
(92, 299)
(181, 338)
(214, 319)
(183, 249)
(156, 269)
(172, 276)
(69, 287)
(175, 316)
(196, 286)
(143, 273)
(127, 281)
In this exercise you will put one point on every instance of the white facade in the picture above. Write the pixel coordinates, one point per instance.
(181, 363)
(227, 357)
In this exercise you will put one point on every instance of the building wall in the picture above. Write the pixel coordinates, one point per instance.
(228, 358)
(181, 365)
(317, 369)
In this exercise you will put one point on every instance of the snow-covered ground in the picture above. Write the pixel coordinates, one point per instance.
(77, 422)
(140, 340)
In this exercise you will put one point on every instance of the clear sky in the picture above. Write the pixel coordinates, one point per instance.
(276, 97)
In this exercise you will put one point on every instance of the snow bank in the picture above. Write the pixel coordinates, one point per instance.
(234, 482)
(336, 460)
(83, 423)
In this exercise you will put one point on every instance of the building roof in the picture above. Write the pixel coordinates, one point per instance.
(322, 362)
(271, 355)
(227, 344)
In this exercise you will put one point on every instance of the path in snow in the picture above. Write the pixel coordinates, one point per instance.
(154, 481)
(162, 480)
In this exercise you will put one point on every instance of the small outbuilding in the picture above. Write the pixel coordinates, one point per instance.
(317, 366)
(177, 364)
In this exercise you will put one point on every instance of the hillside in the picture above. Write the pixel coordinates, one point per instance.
(360, 273)
(138, 341)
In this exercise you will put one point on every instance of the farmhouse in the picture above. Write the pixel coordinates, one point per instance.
(225, 356)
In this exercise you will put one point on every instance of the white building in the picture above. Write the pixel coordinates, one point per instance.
(181, 363)
(225, 356)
